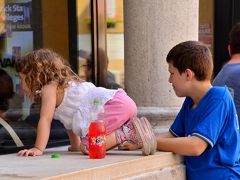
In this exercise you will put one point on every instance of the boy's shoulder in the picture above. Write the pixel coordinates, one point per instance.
(220, 94)
(215, 93)
(220, 90)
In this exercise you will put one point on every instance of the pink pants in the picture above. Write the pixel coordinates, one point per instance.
(117, 111)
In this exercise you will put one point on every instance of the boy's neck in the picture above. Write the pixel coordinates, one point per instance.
(234, 59)
(199, 91)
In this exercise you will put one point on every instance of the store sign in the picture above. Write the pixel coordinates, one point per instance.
(18, 16)
(7, 62)
(16, 34)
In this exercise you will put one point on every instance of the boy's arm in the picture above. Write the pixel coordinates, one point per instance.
(48, 105)
(187, 146)
(166, 134)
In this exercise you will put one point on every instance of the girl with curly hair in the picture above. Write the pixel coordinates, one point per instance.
(47, 78)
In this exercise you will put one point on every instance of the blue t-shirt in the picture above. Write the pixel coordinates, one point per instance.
(215, 121)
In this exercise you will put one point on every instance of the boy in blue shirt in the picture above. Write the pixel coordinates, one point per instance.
(205, 130)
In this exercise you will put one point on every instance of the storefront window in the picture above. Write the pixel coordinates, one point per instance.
(104, 63)
(84, 40)
(115, 43)
(26, 25)
(94, 51)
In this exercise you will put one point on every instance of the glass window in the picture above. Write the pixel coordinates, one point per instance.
(26, 25)
(84, 40)
(67, 28)
(115, 44)
(102, 64)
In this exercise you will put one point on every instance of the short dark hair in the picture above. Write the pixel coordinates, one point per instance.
(234, 39)
(192, 55)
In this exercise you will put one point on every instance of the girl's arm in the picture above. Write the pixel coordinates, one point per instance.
(74, 141)
(76, 144)
(187, 146)
(48, 105)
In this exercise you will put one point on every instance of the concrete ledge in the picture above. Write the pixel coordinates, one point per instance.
(116, 165)
(176, 172)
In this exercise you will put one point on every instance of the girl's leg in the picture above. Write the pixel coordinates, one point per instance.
(120, 129)
(139, 134)
(111, 141)
(117, 112)
(126, 130)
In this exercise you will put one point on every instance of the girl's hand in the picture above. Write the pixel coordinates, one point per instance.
(30, 152)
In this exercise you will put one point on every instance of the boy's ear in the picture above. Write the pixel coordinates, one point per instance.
(189, 74)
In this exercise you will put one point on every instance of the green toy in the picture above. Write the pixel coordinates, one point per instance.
(55, 156)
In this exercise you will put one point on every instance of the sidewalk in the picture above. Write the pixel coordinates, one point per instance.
(72, 165)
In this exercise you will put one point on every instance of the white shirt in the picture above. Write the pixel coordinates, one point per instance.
(81, 104)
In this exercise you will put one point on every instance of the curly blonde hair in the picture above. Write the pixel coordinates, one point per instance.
(43, 66)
